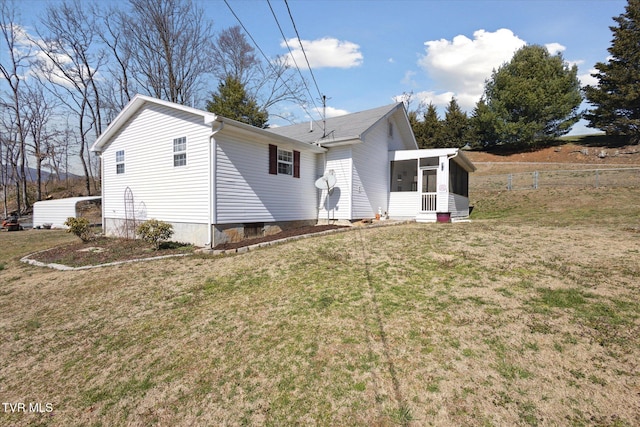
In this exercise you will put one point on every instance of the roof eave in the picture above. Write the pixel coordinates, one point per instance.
(464, 161)
(269, 136)
(132, 107)
(350, 140)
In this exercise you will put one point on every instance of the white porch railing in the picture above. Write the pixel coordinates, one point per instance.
(428, 202)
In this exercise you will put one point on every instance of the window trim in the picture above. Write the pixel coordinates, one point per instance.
(180, 152)
(120, 169)
(286, 163)
(275, 161)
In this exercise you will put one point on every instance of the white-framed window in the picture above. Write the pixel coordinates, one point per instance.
(180, 151)
(285, 162)
(119, 162)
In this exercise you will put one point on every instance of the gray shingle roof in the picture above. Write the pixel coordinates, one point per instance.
(338, 128)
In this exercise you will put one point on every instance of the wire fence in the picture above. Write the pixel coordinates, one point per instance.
(613, 177)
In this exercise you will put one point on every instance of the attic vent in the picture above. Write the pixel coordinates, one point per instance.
(390, 130)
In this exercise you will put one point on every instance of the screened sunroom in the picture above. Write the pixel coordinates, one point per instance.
(429, 185)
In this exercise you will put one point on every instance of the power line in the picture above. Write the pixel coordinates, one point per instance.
(302, 47)
(264, 55)
(292, 57)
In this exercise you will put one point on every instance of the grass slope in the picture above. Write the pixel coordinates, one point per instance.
(526, 316)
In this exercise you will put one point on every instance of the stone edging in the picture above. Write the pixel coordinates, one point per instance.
(27, 259)
(302, 236)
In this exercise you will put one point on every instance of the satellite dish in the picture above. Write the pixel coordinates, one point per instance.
(327, 182)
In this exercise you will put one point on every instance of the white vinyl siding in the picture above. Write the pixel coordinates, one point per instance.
(371, 172)
(245, 192)
(403, 204)
(458, 205)
(339, 160)
(160, 190)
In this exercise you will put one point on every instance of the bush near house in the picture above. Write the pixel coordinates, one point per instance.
(155, 232)
(80, 227)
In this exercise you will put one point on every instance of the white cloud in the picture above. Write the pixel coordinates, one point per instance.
(331, 112)
(462, 65)
(324, 53)
(588, 79)
(409, 78)
(437, 99)
(555, 48)
(40, 65)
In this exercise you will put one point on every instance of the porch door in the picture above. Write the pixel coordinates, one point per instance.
(428, 186)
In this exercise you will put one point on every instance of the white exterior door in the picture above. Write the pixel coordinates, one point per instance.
(428, 187)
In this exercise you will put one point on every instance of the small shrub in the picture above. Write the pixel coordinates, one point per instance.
(155, 232)
(80, 227)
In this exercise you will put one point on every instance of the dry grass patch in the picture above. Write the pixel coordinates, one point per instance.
(489, 323)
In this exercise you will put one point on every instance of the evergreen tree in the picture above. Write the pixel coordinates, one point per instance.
(534, 98)
(416, 127)
(231, 101)
(617, 97)
(455, 128)
(482, 132)
(432, 128)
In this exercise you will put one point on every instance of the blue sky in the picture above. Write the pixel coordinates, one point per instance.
(366, 53)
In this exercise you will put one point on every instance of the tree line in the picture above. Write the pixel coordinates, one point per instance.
(66, 79)
(535, 98)
(63, 82)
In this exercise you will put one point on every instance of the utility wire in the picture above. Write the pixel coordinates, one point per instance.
(292, 57)
(302, 47)
(263, 54)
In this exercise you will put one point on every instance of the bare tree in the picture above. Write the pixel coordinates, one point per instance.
(169, 44)
(38, 113)
(268, 82)
(72, 64)
(278, 84)
(120, 66)
(59, 151)
(11, 160)
(234, 56)
(19, 56)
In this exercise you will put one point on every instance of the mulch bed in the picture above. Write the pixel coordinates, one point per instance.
(282, 235)
(105, 250)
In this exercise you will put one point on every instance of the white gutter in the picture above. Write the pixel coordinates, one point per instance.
(454, 155)
(212, 193)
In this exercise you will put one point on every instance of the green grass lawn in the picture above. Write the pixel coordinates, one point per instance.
(529, 315)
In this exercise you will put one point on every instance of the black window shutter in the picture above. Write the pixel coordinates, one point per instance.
(273, 159)
(296, 164)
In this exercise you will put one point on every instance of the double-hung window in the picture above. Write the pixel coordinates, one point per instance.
(180, 151)
(285, 162)
(119, 162)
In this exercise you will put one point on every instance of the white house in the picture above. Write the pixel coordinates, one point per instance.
(216, 179)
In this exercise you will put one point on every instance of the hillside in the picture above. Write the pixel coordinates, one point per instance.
(567, 153)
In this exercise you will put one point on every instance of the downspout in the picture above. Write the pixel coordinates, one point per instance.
(102, 204)
(212, 193)
(326, 199)
(454, 155)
